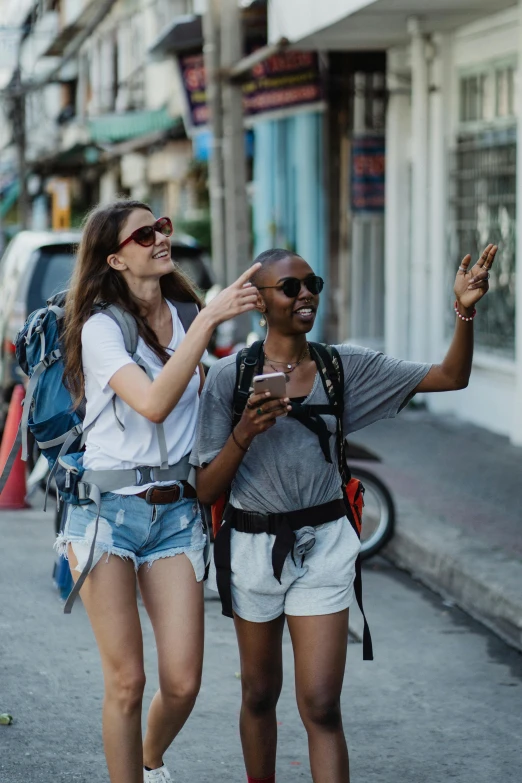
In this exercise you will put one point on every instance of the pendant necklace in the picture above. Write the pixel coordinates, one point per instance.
(290, 366)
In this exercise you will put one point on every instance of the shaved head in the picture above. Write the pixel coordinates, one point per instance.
(269, 257)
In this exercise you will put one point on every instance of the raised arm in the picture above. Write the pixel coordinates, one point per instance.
(470, 286)
(156, 399)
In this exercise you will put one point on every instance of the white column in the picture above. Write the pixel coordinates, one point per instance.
(440, 298)
(517, 413)
(420, 273)
(398, 207)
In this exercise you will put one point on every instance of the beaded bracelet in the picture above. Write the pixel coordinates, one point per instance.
(463, 317)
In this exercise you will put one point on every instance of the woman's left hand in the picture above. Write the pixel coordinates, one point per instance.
(472, 284)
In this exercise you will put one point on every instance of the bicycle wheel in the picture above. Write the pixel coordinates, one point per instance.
(378, 513)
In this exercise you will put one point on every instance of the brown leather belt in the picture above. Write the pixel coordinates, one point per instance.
(158, 496)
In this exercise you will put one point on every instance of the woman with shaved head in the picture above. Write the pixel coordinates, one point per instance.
(287, 550)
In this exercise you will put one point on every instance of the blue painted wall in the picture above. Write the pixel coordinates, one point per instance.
(289, 199)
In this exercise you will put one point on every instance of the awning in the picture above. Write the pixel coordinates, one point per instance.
(143, 142)
(67, 161)
(185, 33)
(370, 24)
(111, 128)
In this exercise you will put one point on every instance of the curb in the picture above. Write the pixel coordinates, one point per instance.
(484, 582)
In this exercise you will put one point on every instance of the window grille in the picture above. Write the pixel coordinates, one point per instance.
(483, 209)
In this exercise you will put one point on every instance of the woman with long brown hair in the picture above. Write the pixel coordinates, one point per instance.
(149, 528)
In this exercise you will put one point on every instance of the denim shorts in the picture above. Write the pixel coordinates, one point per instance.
(132, 528)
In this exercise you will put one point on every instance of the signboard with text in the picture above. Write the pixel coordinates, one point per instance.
(368, 174)
(285, 81)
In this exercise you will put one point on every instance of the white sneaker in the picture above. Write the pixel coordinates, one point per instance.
(160, 775)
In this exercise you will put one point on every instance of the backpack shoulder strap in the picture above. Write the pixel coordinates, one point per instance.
(246, 362)
(187, 312)
(332, 376)
(126, 322)
(129, 330)
(331, 372)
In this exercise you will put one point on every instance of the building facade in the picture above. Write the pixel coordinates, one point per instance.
(102, 117)
(453, 102)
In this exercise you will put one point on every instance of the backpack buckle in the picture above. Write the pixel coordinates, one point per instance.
(145, 475)
(51, 358)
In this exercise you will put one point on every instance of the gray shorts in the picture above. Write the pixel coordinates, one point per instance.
(321, 584)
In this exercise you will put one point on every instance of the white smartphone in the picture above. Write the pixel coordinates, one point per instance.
(274, 382)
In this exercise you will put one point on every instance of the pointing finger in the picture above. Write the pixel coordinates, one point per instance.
(245, 277)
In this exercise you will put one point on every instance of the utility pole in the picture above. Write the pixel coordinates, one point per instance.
(211, 32)
(236, 204)
(19, 134)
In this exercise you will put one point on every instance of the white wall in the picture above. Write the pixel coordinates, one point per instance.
(491, 397)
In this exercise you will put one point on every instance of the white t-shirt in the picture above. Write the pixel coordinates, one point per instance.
(107, 446)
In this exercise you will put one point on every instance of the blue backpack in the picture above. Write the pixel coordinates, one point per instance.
(57, 426)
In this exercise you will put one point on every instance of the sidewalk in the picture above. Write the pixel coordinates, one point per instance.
(458, 491)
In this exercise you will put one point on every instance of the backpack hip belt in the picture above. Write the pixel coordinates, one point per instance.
(283, 526)
(112, 480)
(91, 485)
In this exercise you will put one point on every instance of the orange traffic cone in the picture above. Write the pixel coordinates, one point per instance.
(13, 496)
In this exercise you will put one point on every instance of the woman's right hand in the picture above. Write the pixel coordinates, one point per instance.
(253, 423)
(238, 298)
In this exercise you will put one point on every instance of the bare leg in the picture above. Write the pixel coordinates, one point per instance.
(320, 645)
(109, 597)
(174, 602)
(260, 649)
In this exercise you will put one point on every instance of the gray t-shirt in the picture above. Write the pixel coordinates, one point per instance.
(285, 469)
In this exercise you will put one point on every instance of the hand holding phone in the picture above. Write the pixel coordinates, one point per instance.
(274, 382)
(267, 403)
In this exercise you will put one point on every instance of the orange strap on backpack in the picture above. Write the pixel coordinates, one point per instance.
(217, 511)
(355, 494)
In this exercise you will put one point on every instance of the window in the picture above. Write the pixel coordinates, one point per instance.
(483, 209)
(483, 195)
(473, 102)
(488, 94)
(51, 274)
(505, 92)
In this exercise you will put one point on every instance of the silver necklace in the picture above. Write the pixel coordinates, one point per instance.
(290, 366)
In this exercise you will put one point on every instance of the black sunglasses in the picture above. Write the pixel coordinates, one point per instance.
(146, 235)
(292, 285)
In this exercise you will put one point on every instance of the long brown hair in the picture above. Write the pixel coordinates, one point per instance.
(95, 281)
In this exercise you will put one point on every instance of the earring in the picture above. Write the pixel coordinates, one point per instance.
(262, 322)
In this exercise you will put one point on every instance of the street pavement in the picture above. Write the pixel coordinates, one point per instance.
(458, 494)
(440, 702)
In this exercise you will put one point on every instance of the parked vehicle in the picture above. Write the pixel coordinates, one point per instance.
(38, 264)
(379, 509)
(35, 265)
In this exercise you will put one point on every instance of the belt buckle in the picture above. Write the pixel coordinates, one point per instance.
(176, 486)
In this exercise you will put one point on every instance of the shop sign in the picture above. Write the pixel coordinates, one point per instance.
(368, 174)
(288, 80)
(192, 68)
(283, 81)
